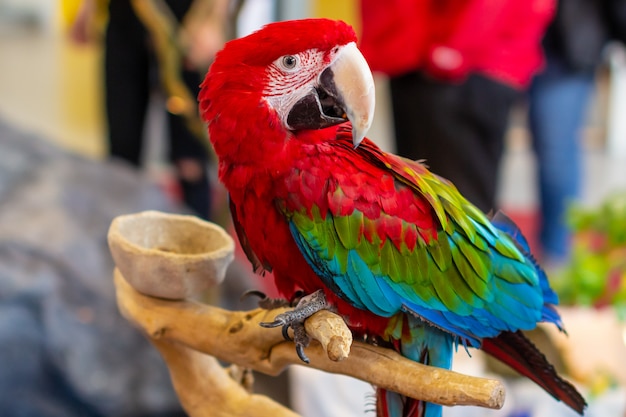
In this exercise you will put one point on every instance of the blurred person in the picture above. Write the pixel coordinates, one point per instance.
(133, 55)
(559, 98)
(456, 67)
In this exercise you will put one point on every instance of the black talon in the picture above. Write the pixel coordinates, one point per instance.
(255, 293)
(272, 324)
(301, 355)
(286, 334)
(301, 339)
(295, 298)
(265, 302)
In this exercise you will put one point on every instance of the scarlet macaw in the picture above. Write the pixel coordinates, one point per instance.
(390, 246)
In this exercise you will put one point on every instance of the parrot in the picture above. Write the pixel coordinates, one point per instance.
(381, 240)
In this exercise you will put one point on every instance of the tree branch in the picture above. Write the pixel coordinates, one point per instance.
(206, 389)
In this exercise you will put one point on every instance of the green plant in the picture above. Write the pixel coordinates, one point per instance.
(596, 275)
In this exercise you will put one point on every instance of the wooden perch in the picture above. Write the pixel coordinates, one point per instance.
(190, 335)
(237, 337)
(206, 389)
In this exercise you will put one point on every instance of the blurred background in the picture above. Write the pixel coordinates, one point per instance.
(59, 191)
(52, 87)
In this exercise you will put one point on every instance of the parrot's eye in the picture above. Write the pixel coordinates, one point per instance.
(289, 62)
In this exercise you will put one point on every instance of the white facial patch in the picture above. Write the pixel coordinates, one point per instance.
(288, 85)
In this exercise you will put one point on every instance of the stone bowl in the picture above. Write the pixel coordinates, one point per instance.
(170, 256)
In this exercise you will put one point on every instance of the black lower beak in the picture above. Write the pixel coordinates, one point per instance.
(321, 108)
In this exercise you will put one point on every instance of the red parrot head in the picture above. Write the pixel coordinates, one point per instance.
(287, 77)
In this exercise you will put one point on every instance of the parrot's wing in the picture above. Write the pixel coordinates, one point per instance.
(462, 274)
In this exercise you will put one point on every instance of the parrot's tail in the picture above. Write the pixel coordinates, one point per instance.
(515, 350)
(422, 343)
(392, 404)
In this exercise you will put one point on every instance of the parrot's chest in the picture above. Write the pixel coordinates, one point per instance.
(270, 239)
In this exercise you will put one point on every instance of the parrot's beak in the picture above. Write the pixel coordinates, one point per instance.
(344, 91)
(352, 80)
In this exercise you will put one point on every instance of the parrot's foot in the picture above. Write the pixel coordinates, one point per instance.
(267, 303)
(306, 307)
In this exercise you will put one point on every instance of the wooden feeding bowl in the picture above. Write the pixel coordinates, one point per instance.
(168, 255)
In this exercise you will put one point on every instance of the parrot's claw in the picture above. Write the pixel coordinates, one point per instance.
(265, 302)
(301, 340)
(295, 298)
(307, 306)
(286, 335)
(300, 351)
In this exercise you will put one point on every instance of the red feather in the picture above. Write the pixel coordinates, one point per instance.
(521, 354)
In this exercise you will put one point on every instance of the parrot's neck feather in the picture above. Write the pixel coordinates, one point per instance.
(250, 149)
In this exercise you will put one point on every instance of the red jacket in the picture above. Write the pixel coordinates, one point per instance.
(449, 39)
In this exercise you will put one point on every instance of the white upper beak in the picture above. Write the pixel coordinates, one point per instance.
(355, 85)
